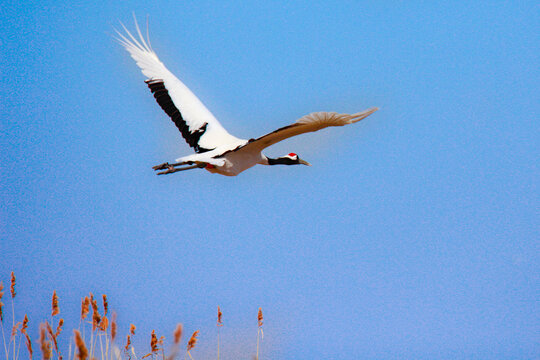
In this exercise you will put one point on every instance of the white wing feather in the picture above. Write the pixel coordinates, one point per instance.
(194, 113)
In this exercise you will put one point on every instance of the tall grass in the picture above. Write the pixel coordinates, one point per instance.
(96, 335)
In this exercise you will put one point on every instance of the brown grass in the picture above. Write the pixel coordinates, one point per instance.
(59, 327)
(55, 308)
(260, 317)
(177, 335)
(105, 305)
(12, 287)
(128, 342)
(192, 340)
(24, 324)
(96, 318)
(52, 336)
(113, 327)
(45, 344)
(82, 350)
(1, 303)
(101, 338)
(85, 307)
(29, 346)
(259, 330)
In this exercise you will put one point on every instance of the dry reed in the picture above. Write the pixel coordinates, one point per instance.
(259, 330)
(113, 327)
(12, 287)
(2, 318)
(85, 307)
(219, 324)
(260, 317)
(153, 345)
(177, 336)
(13, 293)
(1, 303)
(24, 324)
(153, 342)
(82, 351)
(45, 345)
(52, 335)
(55, 308)
(96, 318)
(219, 315)
(29, 345)
(49, 337)
(104, 324)
(14, 330)
(128, 342)
(105, 305)
(59, 327)
(192, 340)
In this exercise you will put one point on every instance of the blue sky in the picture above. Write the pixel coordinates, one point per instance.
(413, 235)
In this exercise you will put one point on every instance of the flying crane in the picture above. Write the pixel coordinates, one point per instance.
(216, 150)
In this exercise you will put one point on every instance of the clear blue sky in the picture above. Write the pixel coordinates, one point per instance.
(415, 234)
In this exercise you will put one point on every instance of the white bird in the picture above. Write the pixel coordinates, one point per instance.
(215, 149)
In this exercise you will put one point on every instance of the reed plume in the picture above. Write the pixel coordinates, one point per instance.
(113, 327)
(24, 324)
(259, 330)
(52, 335)
(12, 287)
(45, 345)
(178, 334)
(2, 318)
(96, 318)
(104, 324)
(132, 329)
(192, 340)
(153, 345)
(82, 353)
(128, 343)
(55, 308)
(219, 324)
(154, 342)
(260, 317)
(85, 307)
(1, 303)
(59, 327)
(105, 305)
(29, 345)
(219, 315)
(14, 330)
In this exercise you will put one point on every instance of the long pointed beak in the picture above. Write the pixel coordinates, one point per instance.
(304, 162)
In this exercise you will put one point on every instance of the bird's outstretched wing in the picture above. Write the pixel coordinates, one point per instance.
(309, 123)
(198, 126)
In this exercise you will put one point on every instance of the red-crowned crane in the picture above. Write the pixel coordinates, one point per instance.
(215, 149)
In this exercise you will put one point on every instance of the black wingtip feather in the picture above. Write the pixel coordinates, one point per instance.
(161, 94)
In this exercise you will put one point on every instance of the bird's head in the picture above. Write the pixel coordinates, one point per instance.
(289, 159)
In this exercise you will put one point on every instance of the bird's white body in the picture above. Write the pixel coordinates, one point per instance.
(227, 162)
(216, 150)
(235, 162)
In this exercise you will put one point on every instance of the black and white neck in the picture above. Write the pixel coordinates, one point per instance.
(289, 159)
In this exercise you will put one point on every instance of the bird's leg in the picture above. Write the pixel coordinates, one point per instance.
(173, 169)
(170, 166)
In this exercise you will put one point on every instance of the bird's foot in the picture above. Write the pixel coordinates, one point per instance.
(162, 166)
